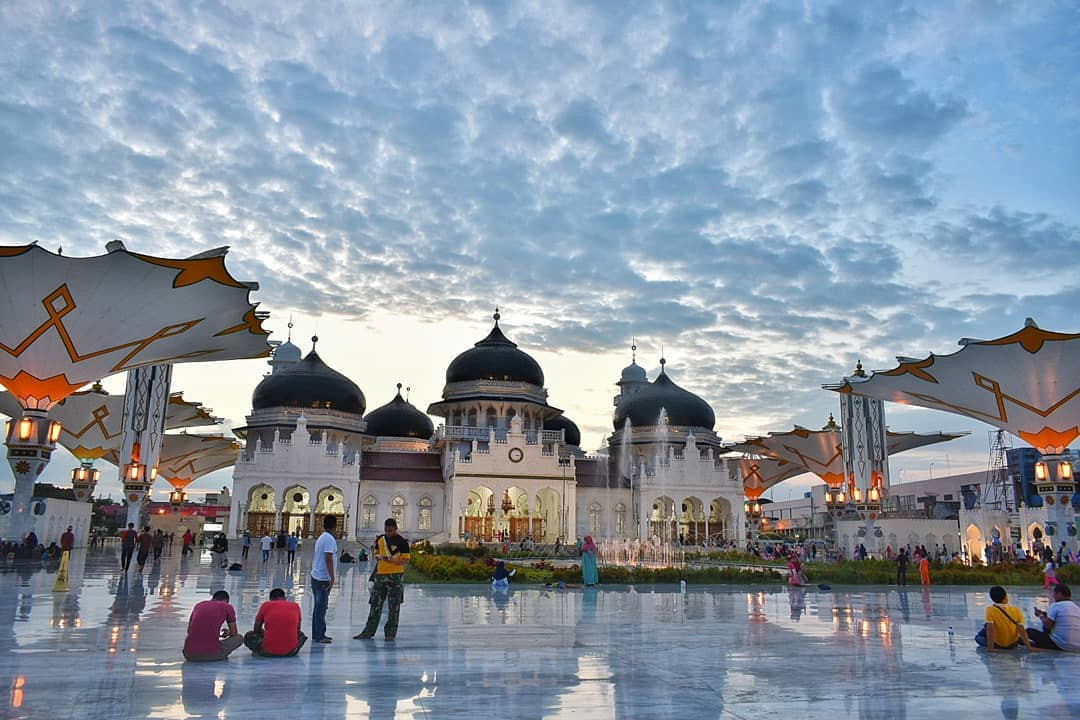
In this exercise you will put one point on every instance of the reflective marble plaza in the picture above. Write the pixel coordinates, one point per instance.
(110, 648)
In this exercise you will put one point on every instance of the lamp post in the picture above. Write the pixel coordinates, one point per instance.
(84, 479)
(752, 510)
(1056, 484)
(30, 442)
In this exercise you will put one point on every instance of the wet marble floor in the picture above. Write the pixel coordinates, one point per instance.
(109, 648)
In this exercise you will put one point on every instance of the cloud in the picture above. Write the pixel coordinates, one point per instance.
(760, 187)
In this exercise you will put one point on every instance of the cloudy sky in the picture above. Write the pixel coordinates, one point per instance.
(769, 192)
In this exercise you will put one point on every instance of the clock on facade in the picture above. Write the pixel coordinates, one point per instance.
(516, 455)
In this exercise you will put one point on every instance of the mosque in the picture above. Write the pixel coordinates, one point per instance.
(504, 462)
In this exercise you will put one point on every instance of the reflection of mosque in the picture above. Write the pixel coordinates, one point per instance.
(504, 461)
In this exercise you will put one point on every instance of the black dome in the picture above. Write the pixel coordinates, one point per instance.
(399, 418)
(683, 407)
(310, 383)
(495, 358)
(561, 422)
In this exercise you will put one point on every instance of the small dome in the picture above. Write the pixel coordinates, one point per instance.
(561, 422)
(286, 352)
(683, 408)
(495, 358)
(633, 373)
(399, 418)
(310, 383)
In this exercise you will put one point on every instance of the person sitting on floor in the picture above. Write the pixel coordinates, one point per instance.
(277, 628)
(206, 640)
(1061, 626)
(1004, 626)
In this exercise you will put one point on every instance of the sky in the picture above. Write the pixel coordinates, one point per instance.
(767, 192)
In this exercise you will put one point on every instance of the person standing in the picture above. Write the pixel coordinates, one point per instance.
(1061, 625)
(924, 569)
(188, 540)
(589, 575)
(266, 543)
(206, 640)
(67, 540)
(159, 545)
(1049, 573)
(391, 552)
(282, 543)
(293, 540)
(322, 577)
(901, 567)
(146, 544)
(127, 546)
(277, 628)
(220, 550)
(246, 544)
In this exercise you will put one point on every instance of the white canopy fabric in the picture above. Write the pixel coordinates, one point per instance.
(185, 458)
(1027, 383)
(69, 321)
(91, 420)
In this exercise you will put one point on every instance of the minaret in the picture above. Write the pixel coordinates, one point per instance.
(632, 379)
(864, 442)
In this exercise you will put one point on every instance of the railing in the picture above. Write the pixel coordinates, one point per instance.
(547, 452)
(483, 450)
(564, 462)
(552, 435)
(467, 432)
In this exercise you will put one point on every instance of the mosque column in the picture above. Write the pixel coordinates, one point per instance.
(30, 442)
(146, 398)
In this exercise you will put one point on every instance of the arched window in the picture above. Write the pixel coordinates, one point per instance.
(367, 518)
(397, 510)
(620, 519)
(425, 513)
(594, 518)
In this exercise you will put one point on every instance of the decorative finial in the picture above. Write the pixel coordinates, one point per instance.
(633, 351)
(496, 316)
(314, 339)
(407, 391)
(399, 390)
(831, 424)
(290, 328)
(663, 360)
(59, 249)
(859, 372)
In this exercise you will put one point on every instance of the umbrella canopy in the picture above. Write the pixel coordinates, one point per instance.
(821, 452)
(185, 458)
(1027, 383)
(70, 321)
(91, 420)
(761, 473)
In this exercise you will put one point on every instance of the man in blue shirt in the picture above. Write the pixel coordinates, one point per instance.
(1061, 625)
(293, 540)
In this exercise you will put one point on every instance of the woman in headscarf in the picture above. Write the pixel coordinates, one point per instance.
(589, 575)
(501, 579)
(795, 571)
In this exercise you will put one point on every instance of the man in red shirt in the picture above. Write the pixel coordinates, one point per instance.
(277, 628)
(206, 640)
(67, 540)
(146, 544)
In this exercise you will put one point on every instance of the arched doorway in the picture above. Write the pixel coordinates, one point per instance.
(330, 502)
(261, 510)
(692, 521)
(296, 511)
(480, 513)
(548, 515)
(516, 520)
(663, 522)
(720, 520)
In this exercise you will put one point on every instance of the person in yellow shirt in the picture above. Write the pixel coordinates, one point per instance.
(1004, 624)
(391, 552)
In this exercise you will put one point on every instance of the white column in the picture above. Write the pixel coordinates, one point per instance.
(145, 400)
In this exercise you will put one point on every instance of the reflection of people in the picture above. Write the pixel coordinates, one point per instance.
(392, 554)
(1061, 625)
(1004, 626)
(322, 577)
(589, 575)
(277, 628)
(206, 641)
(201, 690)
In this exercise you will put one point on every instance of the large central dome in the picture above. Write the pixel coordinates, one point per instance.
(310, 383)
(495, 358)
(683, 408)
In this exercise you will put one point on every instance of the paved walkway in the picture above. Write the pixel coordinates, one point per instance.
(109, 648)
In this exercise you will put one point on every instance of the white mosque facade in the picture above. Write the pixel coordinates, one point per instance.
(503, 463)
